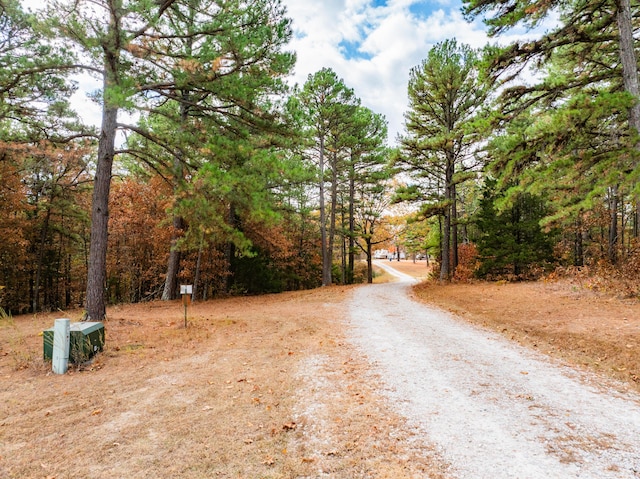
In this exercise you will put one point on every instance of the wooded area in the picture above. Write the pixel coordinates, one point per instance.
(209, 169)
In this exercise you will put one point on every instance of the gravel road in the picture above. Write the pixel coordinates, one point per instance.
(494, 409)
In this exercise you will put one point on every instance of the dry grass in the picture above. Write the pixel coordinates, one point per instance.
(261, 387)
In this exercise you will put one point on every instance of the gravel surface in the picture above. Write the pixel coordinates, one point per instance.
(494, 409)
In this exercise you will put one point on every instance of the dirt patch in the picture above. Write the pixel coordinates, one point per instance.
(558, 318)
(253, 387)
(417, 269)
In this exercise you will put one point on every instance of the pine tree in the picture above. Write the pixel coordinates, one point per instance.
(511, 241)
(578, 126)
(132, 47)
(34, 87)
(366, 135)
(327, 104)
(446, 99)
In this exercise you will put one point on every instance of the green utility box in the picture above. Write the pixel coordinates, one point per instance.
(85, 339)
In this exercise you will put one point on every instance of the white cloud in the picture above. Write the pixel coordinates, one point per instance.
(391, 40)
(89, 110)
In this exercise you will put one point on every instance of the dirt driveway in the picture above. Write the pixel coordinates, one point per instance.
(493, 409)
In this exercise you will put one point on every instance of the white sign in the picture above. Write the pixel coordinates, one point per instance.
(186, 289)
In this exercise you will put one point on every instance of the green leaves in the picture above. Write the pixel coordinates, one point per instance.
(33, 87)
(511, 242)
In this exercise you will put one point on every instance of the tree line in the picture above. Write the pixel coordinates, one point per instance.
(209, 169)
(528, 151)
(206, 168)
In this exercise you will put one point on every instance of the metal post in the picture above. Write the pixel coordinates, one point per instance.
(60, 355)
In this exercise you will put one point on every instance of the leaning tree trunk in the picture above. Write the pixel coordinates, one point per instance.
(97, 272)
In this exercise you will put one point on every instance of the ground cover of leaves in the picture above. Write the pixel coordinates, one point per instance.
(264, 387)
(258, 387)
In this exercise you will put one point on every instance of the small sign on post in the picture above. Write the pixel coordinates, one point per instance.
(186, 290)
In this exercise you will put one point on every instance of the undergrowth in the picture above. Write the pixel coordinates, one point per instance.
(622, 282)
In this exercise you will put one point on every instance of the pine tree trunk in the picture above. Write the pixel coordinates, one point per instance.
(97, 271)
(629, 61)
(67, 282)
(43, 238)
(445, 267)
(173, 265)
(99, 236)
(629, 71)
(623, 223)
(454, 230)
(326, 256)
(369, 263)
(333, 210)
(170, 291)
(230, 251)
(636, 218)
(352, 226)
(343, 247)
(446, 246)
(196, 276)
(343, 275)
(578, 249)
(613, 225)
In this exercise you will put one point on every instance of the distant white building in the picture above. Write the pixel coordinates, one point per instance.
(380, 254)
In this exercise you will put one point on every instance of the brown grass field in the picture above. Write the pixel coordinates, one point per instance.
(263, 387)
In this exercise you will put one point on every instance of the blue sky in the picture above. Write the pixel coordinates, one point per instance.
(373, 44)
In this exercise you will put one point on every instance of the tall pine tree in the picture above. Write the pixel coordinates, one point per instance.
(447, 96)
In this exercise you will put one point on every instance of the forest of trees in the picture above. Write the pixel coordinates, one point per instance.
(209, 169)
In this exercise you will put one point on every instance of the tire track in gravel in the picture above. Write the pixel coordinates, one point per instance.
(494, 409)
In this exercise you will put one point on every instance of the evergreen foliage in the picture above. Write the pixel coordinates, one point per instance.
(34, 88)
(231, 182)
(347, 143)
(444, 124)
(511, 243)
